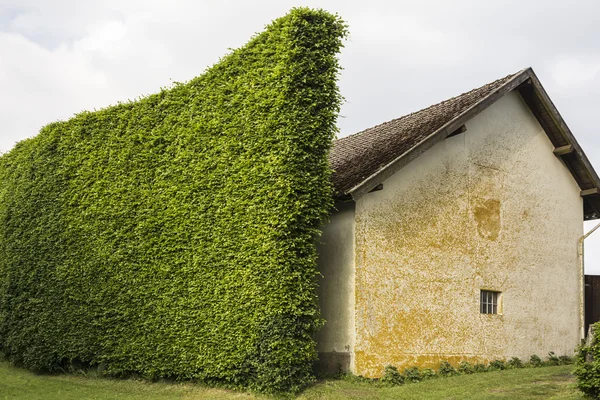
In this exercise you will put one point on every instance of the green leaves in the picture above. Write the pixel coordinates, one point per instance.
(587, 368)
(175, 236)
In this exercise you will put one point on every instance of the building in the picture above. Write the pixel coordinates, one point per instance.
(455, 235)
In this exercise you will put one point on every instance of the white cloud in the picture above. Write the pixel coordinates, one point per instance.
(576, 73)
(39, 86)
(103, 37)
(406, 39)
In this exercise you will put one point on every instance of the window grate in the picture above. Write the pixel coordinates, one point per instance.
(489, 302)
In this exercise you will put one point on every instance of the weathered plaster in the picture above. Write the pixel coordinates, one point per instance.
(491, 208)
(335, 342)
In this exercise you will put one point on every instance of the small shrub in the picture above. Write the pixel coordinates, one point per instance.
(553, 359)
(565, 360)
(392, 376)
(587, 371)
(428, 373)
(446, 369)
(350, 377)
(480, 368)
(587, 368)
(515, 362)
(497, 365)
(412, 374)
(466, 368)
(535, 361)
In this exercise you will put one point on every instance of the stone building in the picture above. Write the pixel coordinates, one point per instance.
(455, 235)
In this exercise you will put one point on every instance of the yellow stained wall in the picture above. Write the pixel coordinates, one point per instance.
(491, 208)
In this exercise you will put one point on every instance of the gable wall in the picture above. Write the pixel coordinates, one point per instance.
(491, 208)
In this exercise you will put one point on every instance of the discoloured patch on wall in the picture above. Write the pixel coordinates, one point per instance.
(487, 216)
(493, 209)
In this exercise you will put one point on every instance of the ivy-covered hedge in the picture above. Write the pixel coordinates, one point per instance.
(174, 236)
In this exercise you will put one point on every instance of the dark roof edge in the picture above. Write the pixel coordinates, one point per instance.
(580, 157)
(403, 159)
(525, 76)
(563, 126)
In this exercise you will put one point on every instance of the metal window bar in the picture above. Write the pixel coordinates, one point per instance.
(481, 302)
(488, 302)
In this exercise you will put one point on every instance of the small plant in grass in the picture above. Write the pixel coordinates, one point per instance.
(535, 361)
(480, 367)
(565, 360)
(446, 369)
(428, 373)
(350, 377)
(515, 362)
(391, 376)
(466, 367)
(413, 375)
(553, 359)
(497, 365)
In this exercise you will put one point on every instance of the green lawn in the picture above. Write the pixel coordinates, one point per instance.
(530, 383)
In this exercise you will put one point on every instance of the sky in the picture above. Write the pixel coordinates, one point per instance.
(60, 57)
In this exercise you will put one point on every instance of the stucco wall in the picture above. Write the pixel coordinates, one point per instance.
(335, 342)
(491, 208)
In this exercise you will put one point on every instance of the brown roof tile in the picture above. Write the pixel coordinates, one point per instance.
(354, 158)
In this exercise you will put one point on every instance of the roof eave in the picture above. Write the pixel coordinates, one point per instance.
(560, 135)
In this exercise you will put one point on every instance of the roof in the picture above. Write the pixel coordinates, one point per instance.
(364, 160)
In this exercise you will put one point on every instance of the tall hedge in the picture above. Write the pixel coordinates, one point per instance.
(174, 236)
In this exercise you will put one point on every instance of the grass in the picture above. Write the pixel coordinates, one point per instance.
(527, 383)
(17, 384)
(531, 383)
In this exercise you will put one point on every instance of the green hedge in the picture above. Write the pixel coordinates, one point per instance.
(174, 236)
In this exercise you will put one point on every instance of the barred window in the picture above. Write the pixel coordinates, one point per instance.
(489, 302)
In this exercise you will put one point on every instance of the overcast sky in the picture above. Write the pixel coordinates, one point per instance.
(59, 57)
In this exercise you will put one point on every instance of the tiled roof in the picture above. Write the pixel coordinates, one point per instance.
(356, 157)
